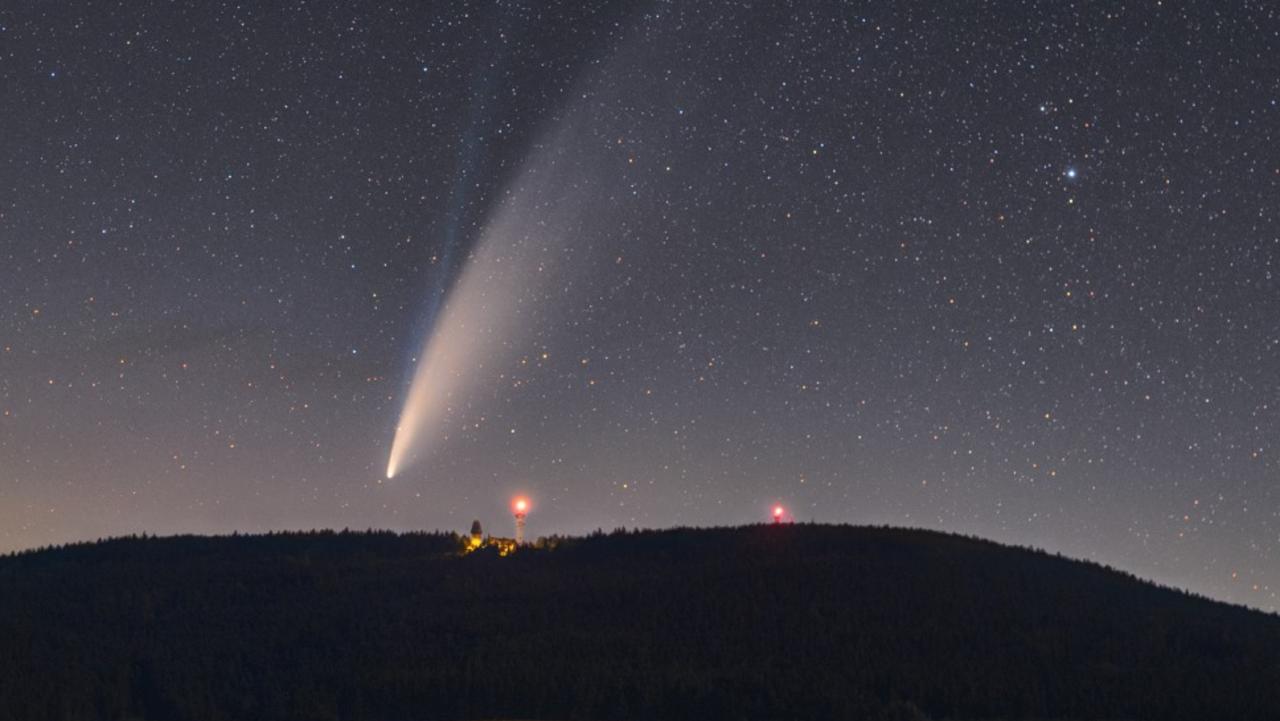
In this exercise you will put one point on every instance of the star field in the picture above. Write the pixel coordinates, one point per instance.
(1006, 269)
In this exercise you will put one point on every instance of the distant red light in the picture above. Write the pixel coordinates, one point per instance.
(778, 511)
(521, 505)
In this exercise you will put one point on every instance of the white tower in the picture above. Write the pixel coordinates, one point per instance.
(520, 509)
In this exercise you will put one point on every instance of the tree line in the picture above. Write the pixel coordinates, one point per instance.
(759, 622)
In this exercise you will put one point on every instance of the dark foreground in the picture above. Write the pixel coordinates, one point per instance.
(802, 622)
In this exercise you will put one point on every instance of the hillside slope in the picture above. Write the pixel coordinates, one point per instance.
(803, 622)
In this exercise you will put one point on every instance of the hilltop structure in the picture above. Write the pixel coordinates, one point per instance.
(477, 540)
(520, 509)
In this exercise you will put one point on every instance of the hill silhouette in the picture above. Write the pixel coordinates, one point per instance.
(757, 622)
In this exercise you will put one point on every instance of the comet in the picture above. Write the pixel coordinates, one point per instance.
(501, 292)
(476, 312)
(478, 315)
(546, 232)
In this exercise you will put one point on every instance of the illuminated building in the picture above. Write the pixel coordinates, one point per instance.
(505, 546)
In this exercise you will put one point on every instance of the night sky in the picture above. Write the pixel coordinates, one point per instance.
(1003, 268)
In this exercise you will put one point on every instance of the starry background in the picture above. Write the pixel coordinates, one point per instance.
(1005, 269)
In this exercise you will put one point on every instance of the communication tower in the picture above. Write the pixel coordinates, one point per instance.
(520, 509)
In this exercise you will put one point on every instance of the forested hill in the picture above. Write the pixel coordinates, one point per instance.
(760, 622)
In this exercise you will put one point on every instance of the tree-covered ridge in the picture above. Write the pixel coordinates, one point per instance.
(756, 622)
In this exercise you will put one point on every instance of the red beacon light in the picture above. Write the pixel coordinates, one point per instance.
(521, 505)
(778, 513)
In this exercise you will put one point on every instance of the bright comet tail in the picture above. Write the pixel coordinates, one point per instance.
(497, 298)
(477, 317)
